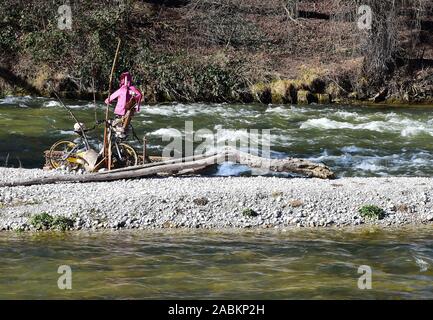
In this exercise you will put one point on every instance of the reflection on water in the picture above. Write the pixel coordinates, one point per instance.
(354, 141)
(219, 265)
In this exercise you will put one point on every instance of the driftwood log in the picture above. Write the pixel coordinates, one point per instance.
(188, 165)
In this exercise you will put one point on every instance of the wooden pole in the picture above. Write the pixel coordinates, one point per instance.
(94, 99)
(144, 149)
(107, 146)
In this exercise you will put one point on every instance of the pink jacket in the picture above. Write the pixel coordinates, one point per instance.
(124, 94)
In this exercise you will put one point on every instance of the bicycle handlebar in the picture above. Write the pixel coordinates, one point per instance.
(97, 123)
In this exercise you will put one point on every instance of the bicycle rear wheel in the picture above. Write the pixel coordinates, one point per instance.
(128, 156)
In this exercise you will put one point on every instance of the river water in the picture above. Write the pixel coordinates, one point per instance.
(301, 264)
(353, 141)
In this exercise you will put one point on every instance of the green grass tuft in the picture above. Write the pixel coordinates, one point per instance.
(249, 213)
(41, 221)
(63, 223)
(44, 221)
(372, 212)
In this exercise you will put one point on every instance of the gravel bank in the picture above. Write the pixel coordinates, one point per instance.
(216, 202)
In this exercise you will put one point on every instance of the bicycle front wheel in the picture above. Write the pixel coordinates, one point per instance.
(62, 153)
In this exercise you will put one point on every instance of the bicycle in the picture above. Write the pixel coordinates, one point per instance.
(74, 156)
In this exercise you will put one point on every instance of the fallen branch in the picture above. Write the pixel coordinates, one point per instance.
(289, 15)
(189, 165)
(291, 165)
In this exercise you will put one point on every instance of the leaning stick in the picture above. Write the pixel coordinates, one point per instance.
(86, 142)
(107, 149)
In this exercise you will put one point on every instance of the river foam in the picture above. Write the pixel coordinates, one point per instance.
(394, 124)
(353, 141)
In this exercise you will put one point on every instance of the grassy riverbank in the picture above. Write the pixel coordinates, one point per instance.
(236, 51)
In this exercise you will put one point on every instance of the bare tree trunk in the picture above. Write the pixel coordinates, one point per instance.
(190, 165)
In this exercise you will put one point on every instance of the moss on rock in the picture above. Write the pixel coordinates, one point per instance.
(283, 91)
(312, 79)
(261, 92)
(305, 97)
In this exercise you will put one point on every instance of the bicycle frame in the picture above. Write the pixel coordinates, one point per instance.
(113, 142)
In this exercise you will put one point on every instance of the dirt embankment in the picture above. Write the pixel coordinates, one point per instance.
(273, 51)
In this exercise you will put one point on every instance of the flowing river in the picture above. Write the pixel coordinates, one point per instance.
(353, 141)
(304, 264)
